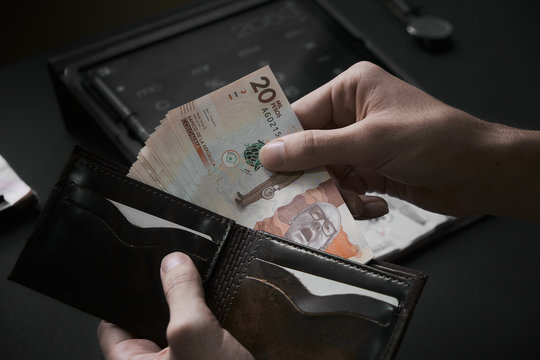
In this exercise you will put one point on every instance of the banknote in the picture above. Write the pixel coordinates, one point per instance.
(207, 152)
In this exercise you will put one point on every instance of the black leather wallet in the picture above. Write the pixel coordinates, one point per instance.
(91, 250)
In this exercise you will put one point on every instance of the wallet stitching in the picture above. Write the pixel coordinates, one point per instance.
(384, 277)
(242, 275)
(133, 183)
(402, 316)
(227, 274)
(216, 254)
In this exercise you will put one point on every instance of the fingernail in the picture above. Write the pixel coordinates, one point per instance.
(273, 154)
(375, 209)
(172, 260)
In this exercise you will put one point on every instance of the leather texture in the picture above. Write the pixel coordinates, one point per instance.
(276, 316)
(87, 253)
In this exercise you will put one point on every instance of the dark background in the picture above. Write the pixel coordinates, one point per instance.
(31, 28)
(482, 297)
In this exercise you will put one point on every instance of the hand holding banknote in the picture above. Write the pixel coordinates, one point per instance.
(376, 133)
(193, 331)
(380, 134)
(207, 152)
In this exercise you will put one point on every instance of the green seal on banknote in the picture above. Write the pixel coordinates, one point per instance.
(251, 154)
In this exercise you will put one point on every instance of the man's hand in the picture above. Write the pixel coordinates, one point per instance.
(193, 331)
(376, 133)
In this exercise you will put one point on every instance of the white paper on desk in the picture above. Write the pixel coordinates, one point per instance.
(401, 227)
(12, 188)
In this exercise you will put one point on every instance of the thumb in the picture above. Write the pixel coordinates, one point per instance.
(308, 149)
(193, 331)
(183, 290)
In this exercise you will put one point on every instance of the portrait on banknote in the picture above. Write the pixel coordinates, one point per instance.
(312, 218)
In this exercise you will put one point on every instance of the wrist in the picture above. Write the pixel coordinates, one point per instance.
(510, 175)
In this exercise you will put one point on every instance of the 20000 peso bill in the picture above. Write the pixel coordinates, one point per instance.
(216, 144)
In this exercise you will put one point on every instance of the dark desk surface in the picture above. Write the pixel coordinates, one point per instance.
(482, 297)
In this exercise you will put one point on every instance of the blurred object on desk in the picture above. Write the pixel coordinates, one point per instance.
(405, 228)
(433, 33)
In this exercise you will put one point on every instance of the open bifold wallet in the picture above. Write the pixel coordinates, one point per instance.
(99, 244)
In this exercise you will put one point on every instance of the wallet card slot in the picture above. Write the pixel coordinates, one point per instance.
(345, 299)
(110, 184)
(134, 236)
(290, 255)
(142, 219)
(271, 326)
(146, 238)
(322, 286)
(81, 262)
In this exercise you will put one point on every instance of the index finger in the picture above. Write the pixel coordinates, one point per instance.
(335, 103)
(314, 110)
(110, 336)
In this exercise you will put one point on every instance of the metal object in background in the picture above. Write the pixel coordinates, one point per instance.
(432, 32)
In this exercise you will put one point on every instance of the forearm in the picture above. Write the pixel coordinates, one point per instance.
(509, 184)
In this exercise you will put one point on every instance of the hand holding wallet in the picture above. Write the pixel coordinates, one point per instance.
(101, 238)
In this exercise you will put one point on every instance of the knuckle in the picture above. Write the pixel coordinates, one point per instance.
(101, 329)
(180, 328)
(176, 280)
(312, 140)
(122, 350)
(366, 68)
(191, 325)
(309, 140)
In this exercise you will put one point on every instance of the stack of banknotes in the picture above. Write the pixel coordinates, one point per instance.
(207, 152)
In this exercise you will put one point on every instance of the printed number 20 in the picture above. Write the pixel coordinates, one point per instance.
(266, 95)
